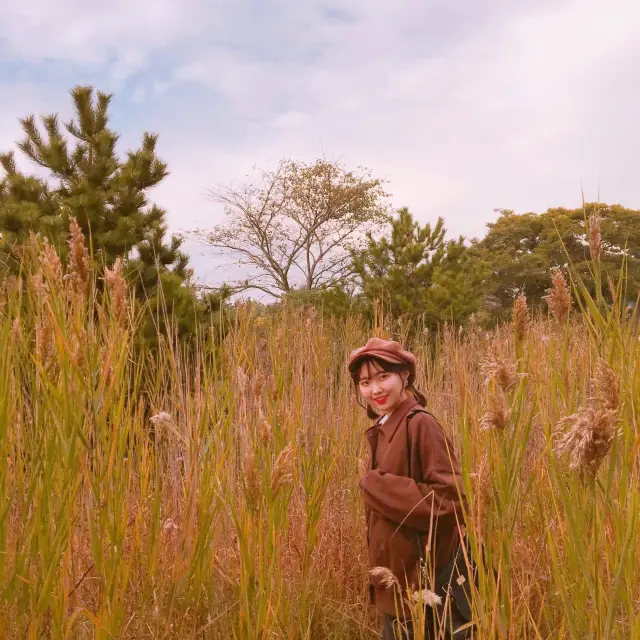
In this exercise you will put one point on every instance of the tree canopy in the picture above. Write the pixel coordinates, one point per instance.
(414, 271)
(84, 178)
(519, 251)
(307, 233)
(293, 228)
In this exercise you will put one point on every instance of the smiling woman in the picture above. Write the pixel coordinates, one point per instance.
(383, 375)
(413, 498)
(382, 388)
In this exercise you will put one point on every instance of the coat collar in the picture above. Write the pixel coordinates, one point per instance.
(393, 421)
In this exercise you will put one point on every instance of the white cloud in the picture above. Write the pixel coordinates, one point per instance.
(463, 107)
(515, 116)
(92, 31)
(289, 120)
(139, 94)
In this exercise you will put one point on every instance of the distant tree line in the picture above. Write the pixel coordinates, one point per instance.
(308, 233)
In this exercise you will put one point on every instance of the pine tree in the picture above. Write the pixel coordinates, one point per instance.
(415, 272)
(107, 195)
(26, 206)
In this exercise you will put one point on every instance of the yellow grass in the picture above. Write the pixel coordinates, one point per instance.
(211, 491)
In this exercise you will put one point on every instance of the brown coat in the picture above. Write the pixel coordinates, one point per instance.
(405, 506)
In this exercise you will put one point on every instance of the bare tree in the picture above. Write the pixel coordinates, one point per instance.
(294, 227)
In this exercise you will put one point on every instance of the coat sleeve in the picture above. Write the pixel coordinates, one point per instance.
(437, 491)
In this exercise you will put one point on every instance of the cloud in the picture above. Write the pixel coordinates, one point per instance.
(90, 31)
(510, 116)
(463, 107)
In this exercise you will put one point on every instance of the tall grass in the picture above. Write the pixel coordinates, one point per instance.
(211, 492)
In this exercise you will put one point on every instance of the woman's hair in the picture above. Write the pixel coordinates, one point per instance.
(382, 365)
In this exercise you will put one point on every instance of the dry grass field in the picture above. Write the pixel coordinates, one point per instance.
(211, 491)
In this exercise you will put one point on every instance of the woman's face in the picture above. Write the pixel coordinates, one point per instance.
(382, 390)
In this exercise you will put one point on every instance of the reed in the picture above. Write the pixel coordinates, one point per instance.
(211, 491)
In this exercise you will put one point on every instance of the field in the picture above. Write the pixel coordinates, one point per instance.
(210, 490)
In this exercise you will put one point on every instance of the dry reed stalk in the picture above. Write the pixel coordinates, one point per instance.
(426, 597)
(78, 258)
(264, 430)
(282, 473)
(251, 481)
(160, 419)
(504, 373)
(589, 439)
(612, 289)
(497, 414)
(558, 297)
(16, 331)
(45, 345)
(117, 287)
(521, 317)
(257, 384)
(481, 483)
(242, 380)
(593, 427)
(50, 262)
(383, 577)
(39, 286)
(595, 237)
(606, 386)
(78, 344)
(45, 340)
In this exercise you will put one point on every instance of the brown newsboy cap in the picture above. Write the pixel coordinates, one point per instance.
(388, 350)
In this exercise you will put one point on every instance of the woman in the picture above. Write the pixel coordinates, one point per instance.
(413, 498)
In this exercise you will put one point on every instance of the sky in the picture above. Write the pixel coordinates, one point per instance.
(462, 107)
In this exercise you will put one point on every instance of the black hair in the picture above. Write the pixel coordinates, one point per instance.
(383, 365)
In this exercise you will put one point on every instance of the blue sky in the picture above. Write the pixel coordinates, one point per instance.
(462, 106)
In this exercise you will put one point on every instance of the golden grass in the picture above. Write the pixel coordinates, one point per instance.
(211, 492)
